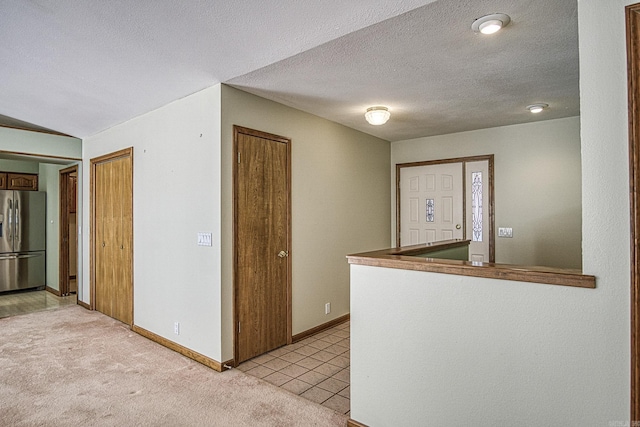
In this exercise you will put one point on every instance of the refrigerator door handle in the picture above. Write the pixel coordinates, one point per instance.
(17, 222)
(10, 229)
(2, 257)
(27, 256)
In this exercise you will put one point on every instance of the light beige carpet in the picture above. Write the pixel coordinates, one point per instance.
(73, 367)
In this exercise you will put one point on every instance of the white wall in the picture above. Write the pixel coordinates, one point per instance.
(478, 352)
(176, 191)
(537, 185)
(564, 352)
(340, 202)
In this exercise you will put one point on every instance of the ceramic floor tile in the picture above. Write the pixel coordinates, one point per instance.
(317, 395)
(323, 356)
(260, 371)
(332, 339)
(246, 366)
(316, 368)
(261, 360)
(336, 349)
(340, 361)
(344, 325)
(341, 333)
(333, 385)
(338, 403)
(280, 351)
(307, 351)
(344, 375)
(296, 386)
(295, 346)
(328, 369)
(312, 377)
(346, 392)
(308, 341)
(23, 302)
(294, 370)
(276, 364)
(309, 363)
(278, 378)
(320, 344)
(292, 357)
(322, 334)
(345, 343)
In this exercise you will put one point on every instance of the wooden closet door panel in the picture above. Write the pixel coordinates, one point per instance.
(101, 220)
(122, 247)
(113, 209)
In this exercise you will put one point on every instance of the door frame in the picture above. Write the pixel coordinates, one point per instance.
(124, 153)
(237, 130)
(632, 17)
(463, 160)
(63, 258)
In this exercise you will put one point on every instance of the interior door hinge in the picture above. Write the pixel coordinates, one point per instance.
(238, 327)
(238, 157)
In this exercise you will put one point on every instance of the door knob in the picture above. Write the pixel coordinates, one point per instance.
(457, 226)
(283, 254)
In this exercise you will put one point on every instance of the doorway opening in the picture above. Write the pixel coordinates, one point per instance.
(447, 199)
(68, 258)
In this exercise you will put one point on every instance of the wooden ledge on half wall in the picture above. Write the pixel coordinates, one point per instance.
(415, 258)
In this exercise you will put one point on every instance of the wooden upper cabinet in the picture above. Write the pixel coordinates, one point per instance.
(3, 181)
(22, 181)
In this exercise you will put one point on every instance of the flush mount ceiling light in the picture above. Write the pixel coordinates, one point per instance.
(377, 115)
(537, 108)
(490, 24)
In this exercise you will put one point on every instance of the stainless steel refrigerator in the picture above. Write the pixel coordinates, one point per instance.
(22, 239)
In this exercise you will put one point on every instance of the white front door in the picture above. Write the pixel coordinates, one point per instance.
(435, 205)
(431, 203)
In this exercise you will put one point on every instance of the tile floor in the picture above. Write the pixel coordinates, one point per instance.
(24, 302)
(316, 368)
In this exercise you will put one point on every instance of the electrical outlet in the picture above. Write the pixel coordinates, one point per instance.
(327, 308)
(176, 328)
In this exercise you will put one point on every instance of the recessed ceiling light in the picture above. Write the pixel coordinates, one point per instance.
(537, 108)
(490, 24)
(377, 115)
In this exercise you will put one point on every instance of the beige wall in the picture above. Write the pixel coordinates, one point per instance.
(340, 200)
(537, 185)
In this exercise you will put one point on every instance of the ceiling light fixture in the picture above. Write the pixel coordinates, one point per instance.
(537, 108)
(377, 115)
(490, 24)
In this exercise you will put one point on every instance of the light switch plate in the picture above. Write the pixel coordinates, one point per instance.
(505, 232)
(204, 239)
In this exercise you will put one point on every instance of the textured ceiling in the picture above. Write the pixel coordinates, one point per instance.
(79, 67)
(434, 73)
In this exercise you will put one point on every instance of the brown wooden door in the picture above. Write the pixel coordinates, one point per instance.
(262, 241)
(113, 235)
